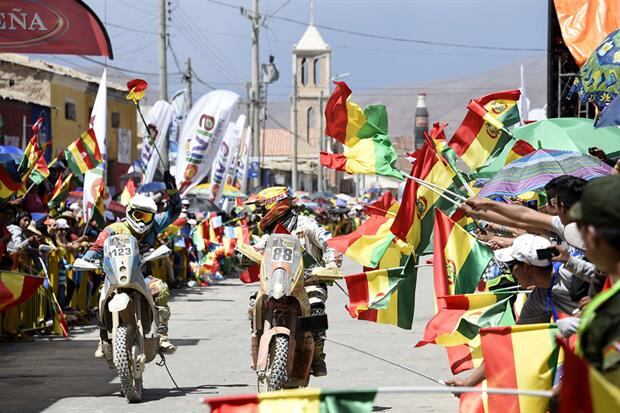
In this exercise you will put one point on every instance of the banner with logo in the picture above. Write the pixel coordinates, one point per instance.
(201, 136)
(52, 27)
(158, 121)
(227, 152)
(243, 161)
(180, 105)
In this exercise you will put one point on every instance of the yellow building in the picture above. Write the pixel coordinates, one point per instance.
(28, 87)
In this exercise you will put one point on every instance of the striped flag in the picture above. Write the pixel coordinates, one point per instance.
(460, 318)
(10, 180)
(385, 205)
(372, 289)
(60, 191)
(40, 172)
(520, 357)
(367, 244)
(17, 288)
(32, 152)
(371, 156)
(299, 400)
(347, 123)
(82, 155)
(174, 228)
(481, 135)
(459, 260)
(584, 389)
(518, 151)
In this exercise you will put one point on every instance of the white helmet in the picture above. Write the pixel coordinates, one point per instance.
(140, 213)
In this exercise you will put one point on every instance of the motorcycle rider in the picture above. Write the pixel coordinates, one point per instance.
(144, 223)
(275, 206)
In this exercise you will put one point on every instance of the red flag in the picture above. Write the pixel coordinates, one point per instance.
(336, 117)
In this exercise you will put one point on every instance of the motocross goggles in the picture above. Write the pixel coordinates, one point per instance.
(142, 216)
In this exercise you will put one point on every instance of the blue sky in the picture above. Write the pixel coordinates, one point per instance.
(217, 38)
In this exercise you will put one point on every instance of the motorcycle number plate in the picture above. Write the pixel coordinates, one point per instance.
(119, 249)
(282, 254)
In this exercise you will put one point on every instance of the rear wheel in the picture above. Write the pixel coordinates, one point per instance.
(123, 361)
(277, 376)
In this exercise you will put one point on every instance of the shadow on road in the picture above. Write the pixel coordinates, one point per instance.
(35, 375)
(150, 395)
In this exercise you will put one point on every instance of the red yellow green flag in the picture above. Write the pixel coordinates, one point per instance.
(16, 288)
(347, 123)
(10, 180)
(460, 317)
(372, 289)
(99, 207)
(584, 389)
(83, 154)
(174, 228)
(482, 133)
(519, 150)
(60, 191)
(520, 357)
(413, 223)
(128, 192)
(367, 244)
(386, 205)
(31, 153)
(371, 156)
(40, 172)
(459, 260)
(299, 400)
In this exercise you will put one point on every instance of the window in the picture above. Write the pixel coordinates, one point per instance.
(116, 120)
(310, 123)
(70, 111)
(317, 72)
(304, 72)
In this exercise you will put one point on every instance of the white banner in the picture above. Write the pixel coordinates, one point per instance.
(123, 146)
(243, 162)
(99, 115)
(158, 120)
(180, 105)
(201, 137)
(227, 152)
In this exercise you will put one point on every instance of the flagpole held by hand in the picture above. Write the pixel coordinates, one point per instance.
(148, 133)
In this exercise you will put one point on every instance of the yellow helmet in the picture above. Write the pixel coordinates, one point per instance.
(270, 197)
(274, 204)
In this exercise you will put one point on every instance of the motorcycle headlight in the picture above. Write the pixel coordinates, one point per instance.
(278, 280)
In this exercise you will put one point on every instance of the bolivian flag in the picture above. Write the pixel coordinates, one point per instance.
(459, 260)
(17, 288)
(482, 133)
(386, 205)
(371, 156)
(296, 401)
(10, 181)
(518, 151)
(367, 244)
(520, 357)
(460, 318)
(174, 228)
(372, 289)
(347, 123)
(83, 154)
(60, 191)
(40, 171)
(584, 389)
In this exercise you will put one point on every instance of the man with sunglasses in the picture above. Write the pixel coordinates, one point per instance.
(143, 222)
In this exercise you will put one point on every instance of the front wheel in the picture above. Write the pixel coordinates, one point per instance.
(277, 376)
(123, 360)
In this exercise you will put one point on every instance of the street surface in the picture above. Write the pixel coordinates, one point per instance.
(210, 328)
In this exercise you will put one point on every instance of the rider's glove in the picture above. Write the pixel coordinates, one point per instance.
(170, 182)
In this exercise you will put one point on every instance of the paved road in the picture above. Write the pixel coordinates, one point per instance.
(211, 331)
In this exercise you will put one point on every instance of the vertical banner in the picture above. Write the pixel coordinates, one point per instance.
(201, 137)
(98, 118)
(180, 106)
(227, 151)
(243, 161)
(158, 121)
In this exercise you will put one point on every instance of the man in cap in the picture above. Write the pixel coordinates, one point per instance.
(598, 217)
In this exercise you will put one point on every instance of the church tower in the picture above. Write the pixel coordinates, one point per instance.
(312, 68)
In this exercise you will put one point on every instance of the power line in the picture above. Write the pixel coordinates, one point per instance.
(123, 69)
(199, 80)
(393, 38)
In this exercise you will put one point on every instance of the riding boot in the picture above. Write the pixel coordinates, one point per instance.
(319, 367)
(162, 329)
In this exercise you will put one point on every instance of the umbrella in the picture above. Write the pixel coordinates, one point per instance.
(533, 171)
(568, 134)
(152, 187)
(13, 151)
(599, 78)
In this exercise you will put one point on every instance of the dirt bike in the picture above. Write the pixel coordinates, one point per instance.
(126, 309)
(282, 323)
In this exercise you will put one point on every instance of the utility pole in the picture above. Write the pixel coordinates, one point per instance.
(294, 127)
(320, 167)
(163, 64)
(255, 90)
(188, 79)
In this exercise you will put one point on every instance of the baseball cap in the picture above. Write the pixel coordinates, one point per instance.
(523, 249)
(572, 235)
(62, 224)
(599, 204)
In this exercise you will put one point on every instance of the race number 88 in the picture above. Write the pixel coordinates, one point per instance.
(282, 254)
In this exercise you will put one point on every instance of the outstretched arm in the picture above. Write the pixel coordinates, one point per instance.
(506, 214)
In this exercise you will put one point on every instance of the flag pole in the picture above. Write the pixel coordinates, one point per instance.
(437, 189)
(148, 133)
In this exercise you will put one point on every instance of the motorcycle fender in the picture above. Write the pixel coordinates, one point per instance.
(118, 303)
(263, 347)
